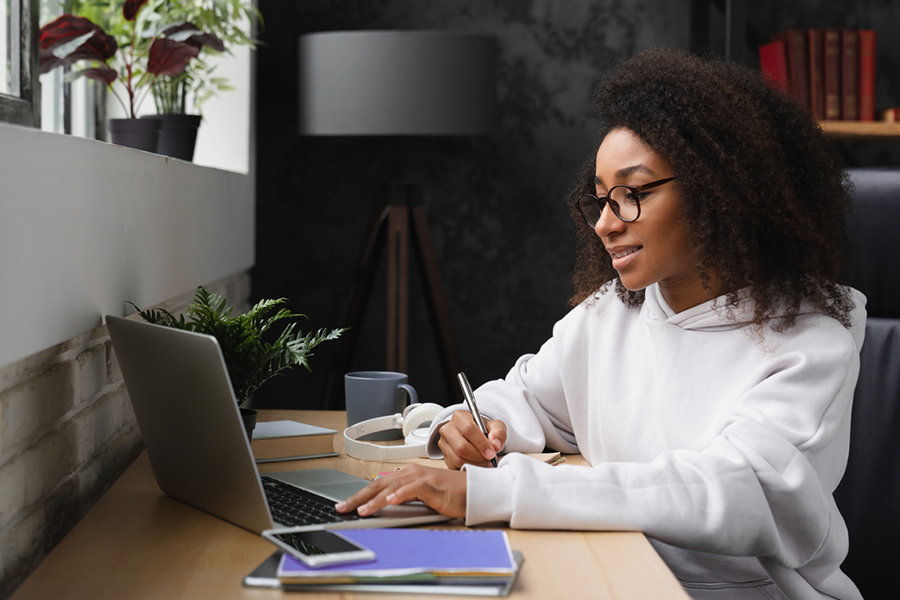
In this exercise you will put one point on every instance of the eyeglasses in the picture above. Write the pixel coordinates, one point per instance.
(625, 201)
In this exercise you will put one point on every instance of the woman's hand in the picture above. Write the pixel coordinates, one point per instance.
(462, 442)
(442, 490)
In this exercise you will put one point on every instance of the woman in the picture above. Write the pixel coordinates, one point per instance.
(707, 370)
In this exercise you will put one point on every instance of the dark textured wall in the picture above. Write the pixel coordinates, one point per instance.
(496, 205)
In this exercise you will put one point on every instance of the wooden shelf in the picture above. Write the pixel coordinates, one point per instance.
(861, 130)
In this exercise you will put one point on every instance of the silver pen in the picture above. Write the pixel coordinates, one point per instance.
(469, 397)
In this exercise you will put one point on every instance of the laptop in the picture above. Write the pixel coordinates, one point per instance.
(199, 451)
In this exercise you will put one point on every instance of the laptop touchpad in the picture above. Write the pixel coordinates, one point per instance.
(330, 483)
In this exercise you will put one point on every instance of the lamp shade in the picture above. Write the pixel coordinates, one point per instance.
(397, 83)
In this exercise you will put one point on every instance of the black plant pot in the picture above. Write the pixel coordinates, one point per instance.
(248, 416)
(178, 135)
(142, 134)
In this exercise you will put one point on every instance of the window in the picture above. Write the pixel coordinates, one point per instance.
(19, 88)
(72, 107)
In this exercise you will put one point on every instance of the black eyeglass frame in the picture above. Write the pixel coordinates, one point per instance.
(603, 201)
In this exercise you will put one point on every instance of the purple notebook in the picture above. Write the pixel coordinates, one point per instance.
(401, 552)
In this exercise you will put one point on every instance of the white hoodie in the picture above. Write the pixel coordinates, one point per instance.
(724, 449)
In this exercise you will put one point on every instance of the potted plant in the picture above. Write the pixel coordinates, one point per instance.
(176, 95)
(144, 55)
(250, 359)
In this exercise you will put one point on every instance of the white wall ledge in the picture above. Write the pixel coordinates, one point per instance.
(86, 225)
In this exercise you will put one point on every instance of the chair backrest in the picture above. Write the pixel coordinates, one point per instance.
(869, 494)
(874, 231)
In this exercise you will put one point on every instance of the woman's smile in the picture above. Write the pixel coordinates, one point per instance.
(622, 255)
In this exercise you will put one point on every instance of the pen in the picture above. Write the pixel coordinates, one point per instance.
(469, 396)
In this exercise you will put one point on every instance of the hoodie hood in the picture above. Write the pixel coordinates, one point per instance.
(714, 315)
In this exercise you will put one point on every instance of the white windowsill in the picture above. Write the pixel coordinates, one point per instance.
(87, 225)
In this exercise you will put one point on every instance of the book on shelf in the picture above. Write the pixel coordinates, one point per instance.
(773, 62)
(831, 73)
(816, 83)
(445, 556)
(849, 75)
(798, 63)
(867, 39)
(290, 440)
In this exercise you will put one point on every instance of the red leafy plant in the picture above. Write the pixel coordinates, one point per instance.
(70, 39)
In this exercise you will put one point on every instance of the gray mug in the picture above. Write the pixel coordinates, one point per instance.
(371, 394)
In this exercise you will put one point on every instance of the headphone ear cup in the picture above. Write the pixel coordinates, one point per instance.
(419, 415)
(409, 408)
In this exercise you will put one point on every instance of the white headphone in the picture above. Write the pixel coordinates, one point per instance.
(414, 422)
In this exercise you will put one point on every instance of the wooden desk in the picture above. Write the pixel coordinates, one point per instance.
(136, 543)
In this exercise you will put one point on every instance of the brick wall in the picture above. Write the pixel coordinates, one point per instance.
(67, 431)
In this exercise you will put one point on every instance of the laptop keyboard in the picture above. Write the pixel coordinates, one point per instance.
(293, 507)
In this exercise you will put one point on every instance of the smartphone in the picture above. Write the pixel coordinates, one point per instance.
(319, 547)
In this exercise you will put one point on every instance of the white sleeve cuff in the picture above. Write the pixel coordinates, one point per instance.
(432, 447)
(434, 433)
(488, 494)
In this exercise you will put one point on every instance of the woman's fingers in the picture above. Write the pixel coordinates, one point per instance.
(458, 450)
(442, 490)
(496, 433)
(463, 442)
(361, 497)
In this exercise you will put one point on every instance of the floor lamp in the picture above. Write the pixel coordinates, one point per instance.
(397, 83)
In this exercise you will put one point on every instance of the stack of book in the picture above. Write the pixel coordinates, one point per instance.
(418, 561)
(829, 71)
(275, 441)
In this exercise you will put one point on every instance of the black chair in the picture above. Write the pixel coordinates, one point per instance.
(869, 494)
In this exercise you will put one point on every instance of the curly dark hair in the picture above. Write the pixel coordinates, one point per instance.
(766, 193)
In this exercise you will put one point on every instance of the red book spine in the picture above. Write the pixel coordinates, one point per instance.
(798, 63)
(866, 75)
(831, 73)
(816, 85)
(849, 75)
(773, 63)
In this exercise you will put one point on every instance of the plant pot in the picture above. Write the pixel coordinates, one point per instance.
(248, 416)
(142, 134)
(178, 135)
